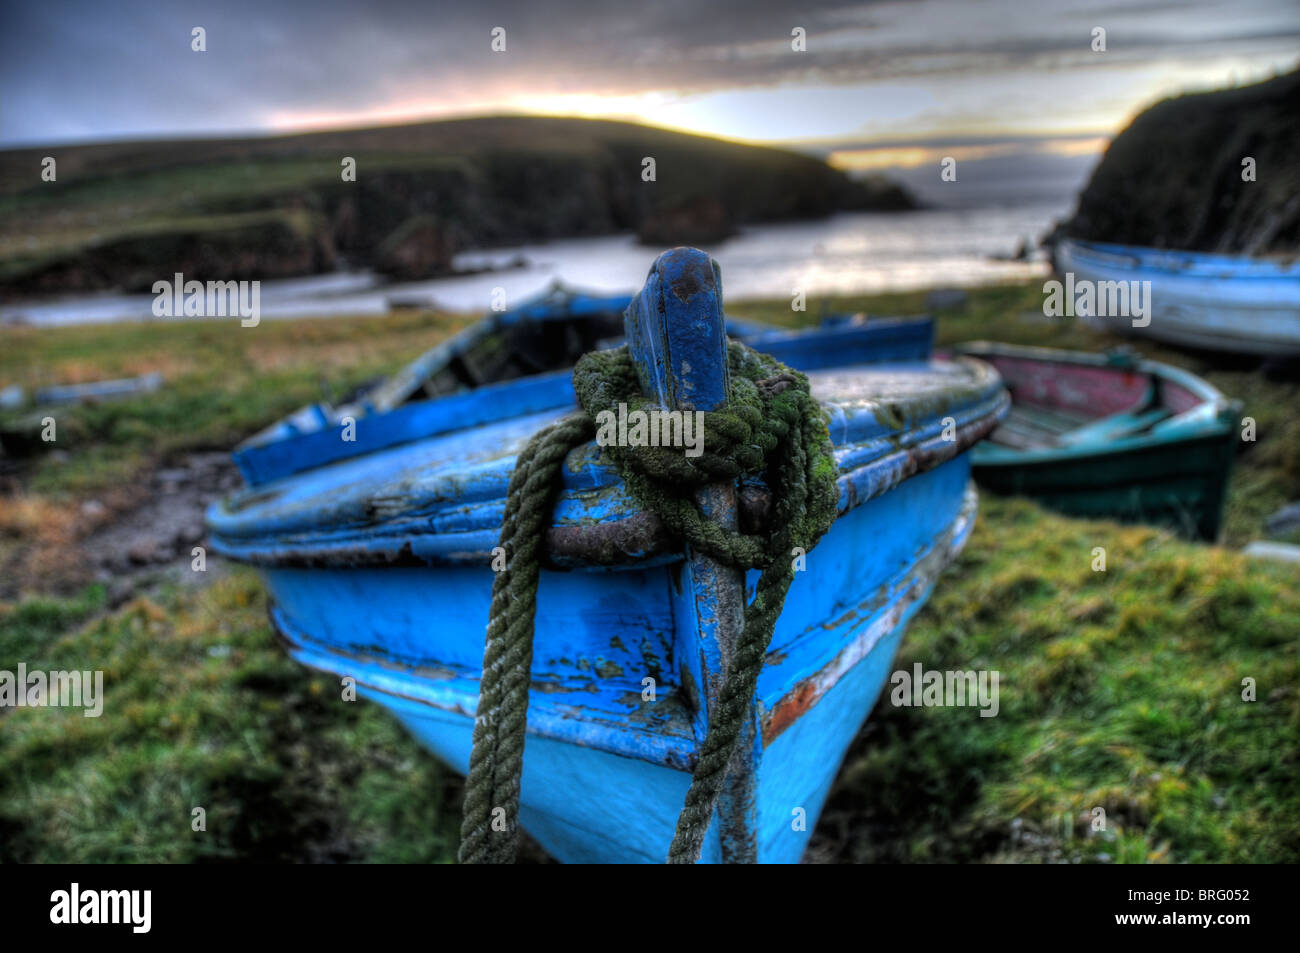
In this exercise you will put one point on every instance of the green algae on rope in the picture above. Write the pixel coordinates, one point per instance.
(770, 427)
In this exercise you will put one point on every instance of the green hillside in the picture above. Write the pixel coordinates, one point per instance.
(493, 181)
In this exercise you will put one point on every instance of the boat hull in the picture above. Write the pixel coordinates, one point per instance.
(606, 768)
(1183, 490)
(1202, 301)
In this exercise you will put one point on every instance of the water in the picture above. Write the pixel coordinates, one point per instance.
(860, 253)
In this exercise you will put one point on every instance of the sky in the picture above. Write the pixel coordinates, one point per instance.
(880, 84)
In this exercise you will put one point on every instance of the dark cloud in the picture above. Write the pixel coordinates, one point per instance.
(100, 69)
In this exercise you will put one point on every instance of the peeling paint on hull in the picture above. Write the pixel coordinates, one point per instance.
(596, 727)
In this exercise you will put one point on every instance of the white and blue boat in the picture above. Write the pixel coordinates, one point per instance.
(377, 554)
(1231, 303)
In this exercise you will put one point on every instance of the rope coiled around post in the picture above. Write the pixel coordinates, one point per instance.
(770, 427)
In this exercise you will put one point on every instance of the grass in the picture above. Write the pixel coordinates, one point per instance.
(223, 382)
(201, 710)
(1120, 690)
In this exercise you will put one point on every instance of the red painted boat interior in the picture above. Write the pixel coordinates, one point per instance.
(1061, 403)
(1177, 398)
(1088, 392)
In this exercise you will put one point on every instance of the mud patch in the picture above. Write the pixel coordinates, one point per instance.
(126, 538)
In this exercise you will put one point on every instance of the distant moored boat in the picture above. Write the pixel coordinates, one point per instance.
(1231, 303)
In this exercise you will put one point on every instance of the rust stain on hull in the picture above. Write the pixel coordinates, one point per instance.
(796, 703)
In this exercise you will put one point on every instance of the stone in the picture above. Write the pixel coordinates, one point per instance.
(943, 299)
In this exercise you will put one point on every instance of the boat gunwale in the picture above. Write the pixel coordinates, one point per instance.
(1181, 262)
(278, 451)
(635, 540)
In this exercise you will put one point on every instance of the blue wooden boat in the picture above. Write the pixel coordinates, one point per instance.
(377, 554)
(1233, 303)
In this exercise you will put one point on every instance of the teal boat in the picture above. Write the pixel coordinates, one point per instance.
(1109, 435)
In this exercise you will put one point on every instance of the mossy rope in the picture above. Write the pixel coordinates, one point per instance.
(770, 427)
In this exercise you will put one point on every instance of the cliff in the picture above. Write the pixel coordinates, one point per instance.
(1174, 177)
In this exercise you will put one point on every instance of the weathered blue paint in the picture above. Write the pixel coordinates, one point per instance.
(404, 424)
(411, 637)
(379, 569)
(877, 342)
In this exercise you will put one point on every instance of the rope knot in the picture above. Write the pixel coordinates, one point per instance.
(770, 428)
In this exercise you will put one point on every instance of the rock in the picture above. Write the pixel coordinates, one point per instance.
(1284, 521)
(1274, 552)
(121, 592)
(93, 509)
(211, 460)
(1174, 178)
(700, 220)
(146, 551)
(175, 475)
(421, 247)
(943, 299)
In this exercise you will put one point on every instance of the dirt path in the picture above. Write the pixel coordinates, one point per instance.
(127, 538)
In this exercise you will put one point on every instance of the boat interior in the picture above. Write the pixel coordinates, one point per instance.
(1064, 404)
(521, 349)
(519, 363)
